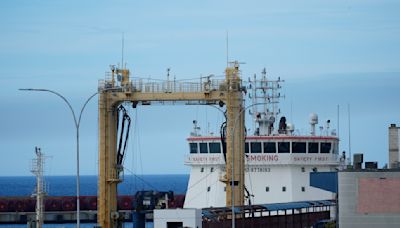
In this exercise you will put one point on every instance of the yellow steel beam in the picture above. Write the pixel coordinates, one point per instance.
(109, 99)
(213, 96)
(234, 139)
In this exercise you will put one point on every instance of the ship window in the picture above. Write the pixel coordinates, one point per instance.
(203, 148)
(303, 169)
(208, 188)
(298, 147)
(202, 169)
(283, 189)
(326, 148)
(313, 148)
(215, 148)
(193, 148)
(246, 148)
(269, 147)
(267, 189)
(212, 169)
(283, 147)
(255, 147)
(303, 189)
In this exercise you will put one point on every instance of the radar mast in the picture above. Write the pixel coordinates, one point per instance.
(266, 93)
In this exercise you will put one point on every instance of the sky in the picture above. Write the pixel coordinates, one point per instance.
(331, 54)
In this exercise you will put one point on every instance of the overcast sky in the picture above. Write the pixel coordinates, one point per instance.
(329, 52)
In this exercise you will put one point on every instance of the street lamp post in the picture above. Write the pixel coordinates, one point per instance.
(77, 124)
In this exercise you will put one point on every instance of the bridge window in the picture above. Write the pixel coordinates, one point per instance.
(255, 147)
(246, 148)
(298, 147)
(203, 148)
(283, 189)
(267, 189)
(313, 148)
(269, 147)
(326, 147)
(215, 148)
(303, 189)
(283, 147)
(193, 148)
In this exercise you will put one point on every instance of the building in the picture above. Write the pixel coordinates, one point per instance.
(369, 198)
(394, 152)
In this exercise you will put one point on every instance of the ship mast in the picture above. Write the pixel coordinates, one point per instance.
(266, 93)
(37, 170)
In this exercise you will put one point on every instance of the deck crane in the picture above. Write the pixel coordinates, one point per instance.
(118, 88)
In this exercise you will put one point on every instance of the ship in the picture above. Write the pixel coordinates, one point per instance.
(278, 159)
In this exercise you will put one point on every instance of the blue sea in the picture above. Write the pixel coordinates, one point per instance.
(66, 186)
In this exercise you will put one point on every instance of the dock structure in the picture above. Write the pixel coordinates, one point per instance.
(62, 209)
(293, 214)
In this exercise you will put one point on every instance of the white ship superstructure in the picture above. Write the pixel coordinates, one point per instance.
(277, 160)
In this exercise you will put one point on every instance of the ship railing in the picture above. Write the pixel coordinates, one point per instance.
(161, 86)
(138, 85)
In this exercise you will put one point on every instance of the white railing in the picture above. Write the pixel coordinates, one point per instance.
(147, 86)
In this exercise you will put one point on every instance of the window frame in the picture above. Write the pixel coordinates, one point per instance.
(265, 146)
(200, 148)
(297, 151)
(308, 147)
(255, 143)
(191, 148)
(219, 148)
(284, 152)
(323, 147)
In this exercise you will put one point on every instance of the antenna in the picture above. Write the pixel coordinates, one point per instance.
(227, 48)
(338, 125)
(122, 54)
(291, 110)
(348, 114)
(38, 171)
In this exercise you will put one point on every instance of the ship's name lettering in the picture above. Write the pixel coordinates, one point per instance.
(262, 158)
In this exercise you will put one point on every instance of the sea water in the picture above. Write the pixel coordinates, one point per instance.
(66, 186)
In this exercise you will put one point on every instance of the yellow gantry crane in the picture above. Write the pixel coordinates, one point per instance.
(119, 88)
